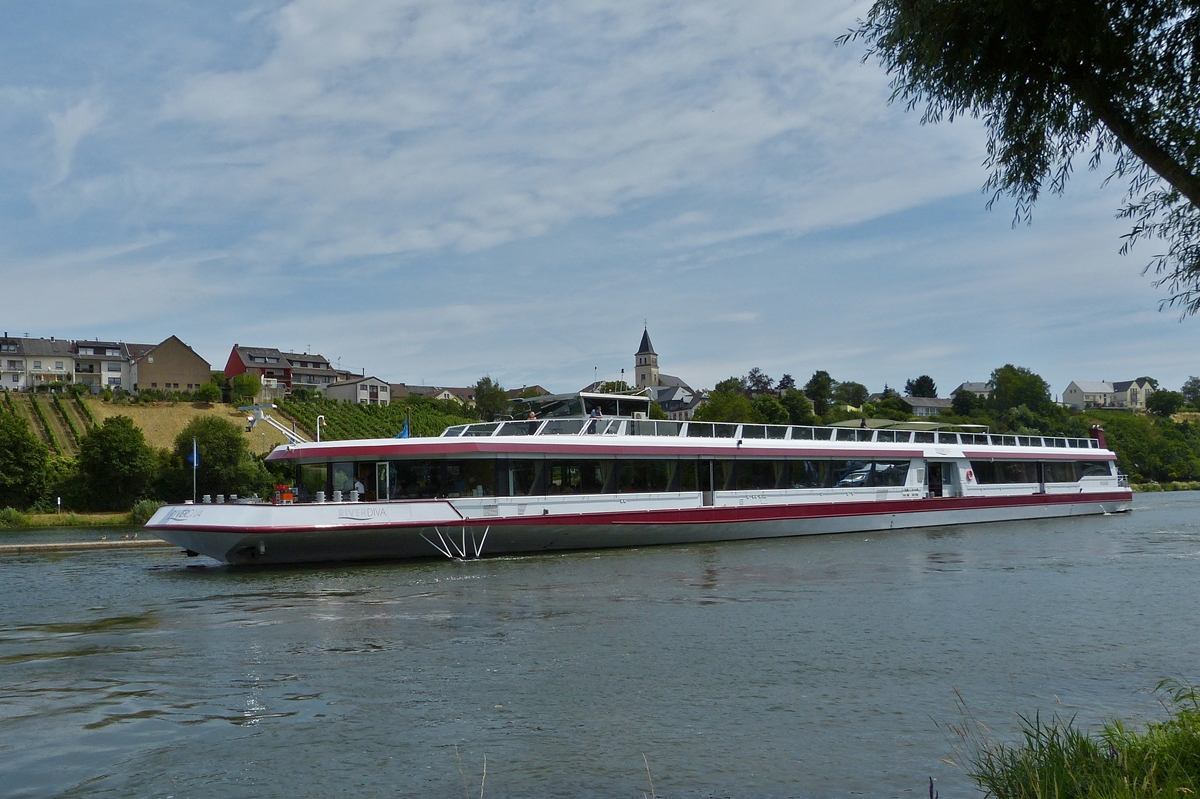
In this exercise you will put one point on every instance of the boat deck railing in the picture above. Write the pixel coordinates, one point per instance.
(621, 426)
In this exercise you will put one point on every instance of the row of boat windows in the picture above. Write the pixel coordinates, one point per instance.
(432, 478)
(987, 472)
(648, 427)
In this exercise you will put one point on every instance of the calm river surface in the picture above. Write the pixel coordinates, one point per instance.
(805, 667)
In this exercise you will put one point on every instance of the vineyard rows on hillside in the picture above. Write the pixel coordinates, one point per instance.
(344, 420)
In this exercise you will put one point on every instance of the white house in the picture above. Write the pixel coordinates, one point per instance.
(1121, 395)
(362, 390)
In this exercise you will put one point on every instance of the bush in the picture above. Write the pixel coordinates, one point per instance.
(1057, 759)
(143, 510)
(209, 392)
(11, 517)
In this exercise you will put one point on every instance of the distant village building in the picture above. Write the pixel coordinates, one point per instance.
(168, 366)
(463, 395)
(312, 371)
(981, 390)
(1120, 395)
(26, 363)
(362, 391)
(927, 406)
(677, 399)
(285, 371)
(537, 391)
(103, 364)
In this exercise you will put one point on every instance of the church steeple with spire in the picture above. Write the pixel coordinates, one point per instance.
(646, 363)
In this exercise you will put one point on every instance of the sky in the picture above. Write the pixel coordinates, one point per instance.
(434, 191)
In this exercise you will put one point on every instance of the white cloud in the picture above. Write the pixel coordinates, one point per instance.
(69, 127)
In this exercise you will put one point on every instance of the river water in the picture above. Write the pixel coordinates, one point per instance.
(811, 667)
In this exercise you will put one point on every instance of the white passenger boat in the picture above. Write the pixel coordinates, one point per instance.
(572, 480)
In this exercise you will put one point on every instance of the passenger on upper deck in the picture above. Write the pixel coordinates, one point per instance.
(595, 414)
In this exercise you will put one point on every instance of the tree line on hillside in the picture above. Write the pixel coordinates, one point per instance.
(116, 468)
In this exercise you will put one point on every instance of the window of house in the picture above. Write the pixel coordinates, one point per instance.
(154, 385)
(176, 385)
(37, 364)
(114, 381)
(58, 366)
(8, 347)
(14, 364)
(112, 352)
(112, 367)
(16, 379)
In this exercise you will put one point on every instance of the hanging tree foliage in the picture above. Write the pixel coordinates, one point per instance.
(1056, 79)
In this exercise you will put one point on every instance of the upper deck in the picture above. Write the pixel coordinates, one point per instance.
(580, 426)
(629, 437)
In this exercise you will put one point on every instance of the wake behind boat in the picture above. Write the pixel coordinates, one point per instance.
(590, 471)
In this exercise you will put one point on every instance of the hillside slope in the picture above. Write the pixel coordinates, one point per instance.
(161, 422)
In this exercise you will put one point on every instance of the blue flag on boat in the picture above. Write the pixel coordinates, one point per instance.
(404, 433)
(194, 458)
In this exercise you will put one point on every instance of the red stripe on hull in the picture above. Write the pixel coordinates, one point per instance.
(704, 515)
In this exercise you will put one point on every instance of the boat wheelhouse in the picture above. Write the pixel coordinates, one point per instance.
(575, 477)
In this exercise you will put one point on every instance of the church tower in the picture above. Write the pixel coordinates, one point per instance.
(646, 363)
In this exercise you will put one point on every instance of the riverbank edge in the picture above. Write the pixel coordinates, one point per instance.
(34, 521)
(1149, 488)
(82, 546)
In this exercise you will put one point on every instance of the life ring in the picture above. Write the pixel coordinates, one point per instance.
(970, 475)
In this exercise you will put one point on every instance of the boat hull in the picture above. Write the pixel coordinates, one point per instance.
(285, 534)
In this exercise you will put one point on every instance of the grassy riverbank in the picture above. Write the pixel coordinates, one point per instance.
(15, 520)
(1056, 759)
(1152, 487)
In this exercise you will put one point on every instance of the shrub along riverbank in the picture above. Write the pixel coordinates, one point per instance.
(142, 511)
(1056, 759)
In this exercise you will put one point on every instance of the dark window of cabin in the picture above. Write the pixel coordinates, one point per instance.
(644, 476)
(1061, 472)
(415, 479)
(890, 474)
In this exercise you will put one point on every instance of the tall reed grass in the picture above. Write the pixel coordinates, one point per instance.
(1056, 760)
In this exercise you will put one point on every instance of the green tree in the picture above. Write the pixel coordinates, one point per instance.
(819, 389)
(22, 463)
(731, 384)
(490, 399)
(657, 412)
(1164, 403)
(799, 407)
(726, 406)
(758, 382)
(244, 387)
(851, 393)
(770, 410)
(786, 383)
(226, 464)
(209, 392)
(1016, 385)
(964, 402)
(608, 387)
(1191, 391)
(922, 386)
(115, 464)
(1054, 80)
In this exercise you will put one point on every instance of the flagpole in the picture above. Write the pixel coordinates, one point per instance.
(195, 463)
